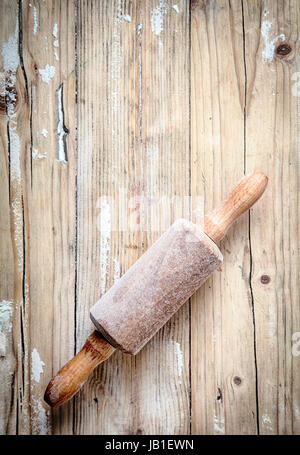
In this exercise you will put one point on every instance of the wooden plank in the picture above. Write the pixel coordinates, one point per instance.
(51, 200)
(42, 205)
(127, 149)
(162, 367)
(222, 344)
(272, 144)
(8, 361)
(14, 145)
(107, 132)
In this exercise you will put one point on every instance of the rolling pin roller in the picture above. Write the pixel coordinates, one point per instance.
(154, 288)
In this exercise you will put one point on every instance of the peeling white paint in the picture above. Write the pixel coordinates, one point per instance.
(127, 17)
(179, 359)
(139, 29)
(37, 155)
(60, 130)
(10, 54)
(2, 84)
(17, 217)
(266, 420)
(10, 58)
(115, 77)
(39, 418)
(15, 150)
(55, 42)
(47, 73)
(36, 366)
(44, 132)
(35, 24)
(175, 7)
(104, 241)
(268, 51)
(157, 18)
(54, 31)
(6, 309)
(219, 425)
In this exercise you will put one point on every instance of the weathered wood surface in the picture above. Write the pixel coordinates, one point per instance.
(116, 118)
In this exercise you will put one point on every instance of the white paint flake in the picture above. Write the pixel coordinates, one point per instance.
(157, 18)
(267, 422)
(47, 73)
(44, 132)
(6, 309)
(55, 46)
(17, 217)
(60, 130)
(35, 24)
(114, 80)
(15, 150)
(179, 359)
(219, 425)
(36, 366)
(104, 241)
(10, 57)
(10, 61)
(54, 31)
(55, 42)
(37, 155)
(175, 7)
(139, 29)
(266, 419)
(127, 17)
(268, 51)
(39, 418)
(10, 54)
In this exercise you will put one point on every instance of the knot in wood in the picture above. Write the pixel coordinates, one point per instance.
(283, 49)
(265, 279)
(237, 380)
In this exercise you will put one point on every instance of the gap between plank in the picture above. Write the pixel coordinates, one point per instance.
(249, 223)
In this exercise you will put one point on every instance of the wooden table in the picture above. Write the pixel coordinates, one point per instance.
(117, 117)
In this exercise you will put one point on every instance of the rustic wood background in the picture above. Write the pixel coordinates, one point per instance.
(108, 101)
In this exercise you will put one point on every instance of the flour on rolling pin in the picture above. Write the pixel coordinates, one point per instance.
(155, 287)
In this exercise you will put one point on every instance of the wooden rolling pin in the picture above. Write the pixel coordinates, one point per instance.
(154, 288)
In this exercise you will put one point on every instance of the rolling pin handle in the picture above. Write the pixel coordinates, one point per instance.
(72, 376)
(244, 195)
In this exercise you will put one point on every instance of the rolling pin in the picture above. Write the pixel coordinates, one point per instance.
(154, 288)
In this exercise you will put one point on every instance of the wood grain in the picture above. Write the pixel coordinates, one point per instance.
(152, 112)
(275, 244)
(222, 343)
